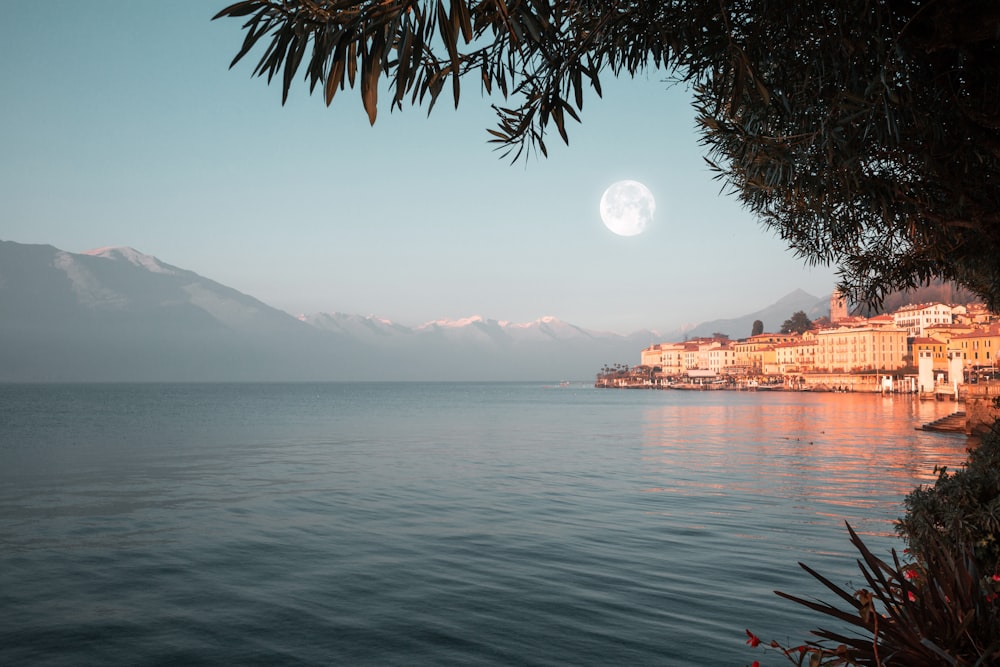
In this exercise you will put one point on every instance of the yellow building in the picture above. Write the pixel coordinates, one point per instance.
(974, 313)
(860, 349)
(757, 354)
(938, 352)
(945, 332)
(883, 320)
(668, 357)
(797, 356)
(650, 356)
(675, 359)
(978, 348)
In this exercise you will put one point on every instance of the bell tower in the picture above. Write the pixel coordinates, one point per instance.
(838, 306)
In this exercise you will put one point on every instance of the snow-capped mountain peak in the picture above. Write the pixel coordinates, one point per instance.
(455, 324)
(132, 256)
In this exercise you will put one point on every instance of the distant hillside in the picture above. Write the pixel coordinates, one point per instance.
(116, 314)
(937, 291)
(772, 316)
(481, 348)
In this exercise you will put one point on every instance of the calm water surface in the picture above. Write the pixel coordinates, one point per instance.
(435, 524)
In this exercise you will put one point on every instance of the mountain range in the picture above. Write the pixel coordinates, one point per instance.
(116, 314)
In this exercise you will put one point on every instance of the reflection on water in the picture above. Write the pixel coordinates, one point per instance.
(836, 456)
(439, 524)
(762, 482)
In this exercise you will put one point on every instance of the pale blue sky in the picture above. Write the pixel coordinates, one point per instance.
(122, 125)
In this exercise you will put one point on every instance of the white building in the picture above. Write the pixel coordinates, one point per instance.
(720, 357)
(917, 317)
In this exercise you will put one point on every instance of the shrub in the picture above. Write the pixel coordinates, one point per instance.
(961, 509)
(942, 607)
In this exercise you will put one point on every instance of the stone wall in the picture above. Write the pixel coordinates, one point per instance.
(980, 406)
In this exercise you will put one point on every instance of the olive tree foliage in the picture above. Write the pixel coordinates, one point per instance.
(864, 133)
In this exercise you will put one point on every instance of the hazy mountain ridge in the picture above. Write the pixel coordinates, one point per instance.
(542, 329)
(772, 316)
(934, 291)
(482, 348)
(121, 315)
(117, 314)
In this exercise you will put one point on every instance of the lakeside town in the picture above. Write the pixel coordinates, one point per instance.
(931, 350)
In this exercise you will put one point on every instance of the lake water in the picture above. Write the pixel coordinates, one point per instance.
(435, 524)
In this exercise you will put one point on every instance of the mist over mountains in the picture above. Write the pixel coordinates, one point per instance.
(116, 314)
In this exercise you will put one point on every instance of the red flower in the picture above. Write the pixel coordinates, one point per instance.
(755, 663)
(913, 598)
(996, 577)
(754, 640)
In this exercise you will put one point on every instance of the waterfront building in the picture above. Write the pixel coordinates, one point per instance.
(853, 349)
(859, 354)
(978, 348)
(883, 320)
(691, 356)
(757, 352)
(720, 358)
(933, 349)
(696, 352)
(945, 332)
(651, 356)
(915, 318)
(798, 356)
(668, 357)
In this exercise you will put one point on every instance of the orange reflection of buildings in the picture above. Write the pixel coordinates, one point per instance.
(846, 456)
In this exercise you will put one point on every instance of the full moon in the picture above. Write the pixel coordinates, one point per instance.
(627, 207)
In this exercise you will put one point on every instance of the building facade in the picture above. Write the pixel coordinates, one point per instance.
(917, 317)
(849, 349)
(933, 349)
(977, 349)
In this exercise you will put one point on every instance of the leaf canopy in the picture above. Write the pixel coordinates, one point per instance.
(864, 133)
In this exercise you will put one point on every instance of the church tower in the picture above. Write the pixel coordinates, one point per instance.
(838, 307)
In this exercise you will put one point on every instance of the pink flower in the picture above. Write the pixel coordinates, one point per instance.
(996, 577)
